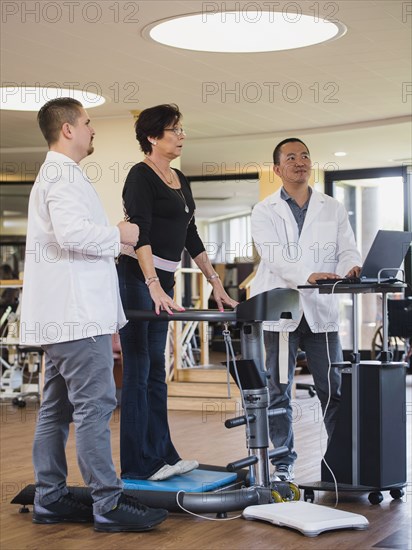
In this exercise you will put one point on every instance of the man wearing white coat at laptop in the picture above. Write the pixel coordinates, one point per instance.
(301, 235)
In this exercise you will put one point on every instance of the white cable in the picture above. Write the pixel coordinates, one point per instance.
(231, 354)
(328, 401)
(199, 515)
(226, 330)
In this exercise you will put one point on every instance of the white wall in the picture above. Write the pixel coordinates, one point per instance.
(116, 151)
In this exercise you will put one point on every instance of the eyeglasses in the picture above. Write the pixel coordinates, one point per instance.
(178, 131)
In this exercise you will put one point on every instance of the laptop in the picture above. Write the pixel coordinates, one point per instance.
(383, 260)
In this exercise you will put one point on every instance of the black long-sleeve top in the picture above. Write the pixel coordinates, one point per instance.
(159, 211)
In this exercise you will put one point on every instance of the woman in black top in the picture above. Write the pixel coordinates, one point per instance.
(158, 199)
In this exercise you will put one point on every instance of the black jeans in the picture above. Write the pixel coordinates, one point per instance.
(280, 395)
(145, 442)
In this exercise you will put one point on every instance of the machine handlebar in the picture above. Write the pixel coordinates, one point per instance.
(187, 315)
(275, 304)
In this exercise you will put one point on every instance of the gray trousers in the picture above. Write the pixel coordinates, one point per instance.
(79, 388)
(314, 345)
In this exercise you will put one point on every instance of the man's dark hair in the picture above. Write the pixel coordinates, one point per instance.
(54, 114)
(152, 122)
(277, 151)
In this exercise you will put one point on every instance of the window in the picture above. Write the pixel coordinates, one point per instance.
(374, 199)
(14, 200)
(230, 240)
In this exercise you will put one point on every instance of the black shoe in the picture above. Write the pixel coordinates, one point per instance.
(129, 515)
(67, 508)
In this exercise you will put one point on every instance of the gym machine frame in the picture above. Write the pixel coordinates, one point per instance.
(252, 486)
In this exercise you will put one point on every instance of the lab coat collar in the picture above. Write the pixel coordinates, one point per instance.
(316, 204)
(282, 209)
(64, 160)
(60, 157)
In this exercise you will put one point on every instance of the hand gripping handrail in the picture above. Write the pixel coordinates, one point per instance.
(275, 304)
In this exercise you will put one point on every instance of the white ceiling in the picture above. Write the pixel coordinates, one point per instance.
(352, 94)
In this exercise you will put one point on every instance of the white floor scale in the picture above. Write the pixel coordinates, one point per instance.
(310, 519)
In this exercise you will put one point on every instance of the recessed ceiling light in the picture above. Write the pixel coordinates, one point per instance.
(31, 98)
(244, 31)
(340, 154)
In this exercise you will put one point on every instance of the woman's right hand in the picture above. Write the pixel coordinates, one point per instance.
(161, 300)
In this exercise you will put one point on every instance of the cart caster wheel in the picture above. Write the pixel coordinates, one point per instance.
(294, 492)
(277, 497)
(308, 495)
(375, 498)
(396, 493)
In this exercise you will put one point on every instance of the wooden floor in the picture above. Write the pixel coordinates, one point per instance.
(202, 436)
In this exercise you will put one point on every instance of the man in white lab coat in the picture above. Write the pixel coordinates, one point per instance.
(70, 307)
(301, 235)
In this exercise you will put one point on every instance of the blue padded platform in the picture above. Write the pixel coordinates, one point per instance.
(196, 481)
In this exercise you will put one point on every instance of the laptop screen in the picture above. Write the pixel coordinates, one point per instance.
(388, 250)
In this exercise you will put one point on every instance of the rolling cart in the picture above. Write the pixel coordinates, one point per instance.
(367, 450)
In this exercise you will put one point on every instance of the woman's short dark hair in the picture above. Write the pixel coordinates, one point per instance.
(276, 152)
(152, 122)
(55, 113)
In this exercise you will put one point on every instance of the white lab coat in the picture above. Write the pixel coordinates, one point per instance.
(70, 288)
(326, 244)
